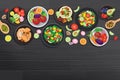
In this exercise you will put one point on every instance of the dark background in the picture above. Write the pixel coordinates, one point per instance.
(35, 61)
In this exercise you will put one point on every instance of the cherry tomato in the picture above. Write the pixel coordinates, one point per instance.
(22, 14)
(22, 11)
(104, 16)
(115, 38)
(43, 19)
(87, 15)
(36, 21)
(74, 26)
(16, 9)
(97, 34)
(104, 37)
(6, 10)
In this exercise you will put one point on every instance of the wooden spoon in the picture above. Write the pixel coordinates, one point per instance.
(111, 23)
(1, 23)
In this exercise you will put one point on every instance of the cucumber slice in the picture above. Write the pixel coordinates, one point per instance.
(76, 10)
(67, 28)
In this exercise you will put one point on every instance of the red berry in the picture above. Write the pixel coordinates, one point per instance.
(104, 16)
(115, 38)
(74, 26)
(6, 10)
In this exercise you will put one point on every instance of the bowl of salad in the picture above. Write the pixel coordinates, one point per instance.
(17, 15)
(87, 18)
(38, 16)
(64, 15)
(52, 35)
(99, 36)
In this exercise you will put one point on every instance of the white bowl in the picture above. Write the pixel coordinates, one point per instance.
(104, 42)
(41, 24)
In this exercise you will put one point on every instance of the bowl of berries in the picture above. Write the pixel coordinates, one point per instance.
(99, 36)
(16, 15)
(38, 16)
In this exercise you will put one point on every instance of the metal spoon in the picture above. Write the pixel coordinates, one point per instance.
(111, 23)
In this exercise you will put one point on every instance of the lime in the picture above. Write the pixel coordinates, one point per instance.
(8, 38)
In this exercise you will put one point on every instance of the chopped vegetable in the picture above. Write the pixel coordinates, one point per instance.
(68, 39)
(36, 35)
(75, 33)
(53, 34)
(78, 8)
(67, 28)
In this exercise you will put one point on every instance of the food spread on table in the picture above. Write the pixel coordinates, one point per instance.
(73, 33)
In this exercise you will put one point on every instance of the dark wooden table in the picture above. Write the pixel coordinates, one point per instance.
(35, 61)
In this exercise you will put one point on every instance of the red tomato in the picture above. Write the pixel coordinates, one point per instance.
(87, 15)
(36, 21)
(74, 26)
(22, 11)
(16, 9)
(22, 14)
(43, 19)
(104, 37)
(104, 16)
(97, 34)
(115, 38)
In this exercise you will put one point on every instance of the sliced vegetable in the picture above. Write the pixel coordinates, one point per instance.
(76, 10)
(75, 33)
(36, 35)
(111, 33)
(67, 39)
(67, 28)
